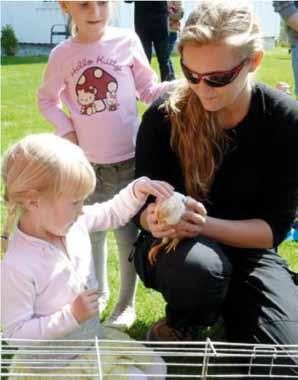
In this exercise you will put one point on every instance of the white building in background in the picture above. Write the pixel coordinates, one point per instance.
(32, 20)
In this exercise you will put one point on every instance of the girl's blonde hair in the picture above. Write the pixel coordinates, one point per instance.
(45, 163)
(196, 136)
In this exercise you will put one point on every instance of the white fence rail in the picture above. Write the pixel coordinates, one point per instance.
(185, 360)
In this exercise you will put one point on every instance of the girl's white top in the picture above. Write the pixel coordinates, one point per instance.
(39, 282)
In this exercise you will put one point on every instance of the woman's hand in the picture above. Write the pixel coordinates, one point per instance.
(192, 221)
(145, 186)
(85, 306)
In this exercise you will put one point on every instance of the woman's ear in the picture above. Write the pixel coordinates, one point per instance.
(256, 60)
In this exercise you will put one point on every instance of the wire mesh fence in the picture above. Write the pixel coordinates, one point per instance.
(86, 360)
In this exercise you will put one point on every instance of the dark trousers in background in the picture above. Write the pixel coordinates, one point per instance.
(172, 38)
(252, 289)
(156, 34)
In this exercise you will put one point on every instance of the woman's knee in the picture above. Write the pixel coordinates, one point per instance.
(194, 277)
(195, 262)
(207, 257)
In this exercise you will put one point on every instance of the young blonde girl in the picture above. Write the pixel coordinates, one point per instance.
(98, 74)
(49, 287)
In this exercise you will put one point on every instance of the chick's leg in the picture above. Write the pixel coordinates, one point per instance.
(172, 245)
(154, 251)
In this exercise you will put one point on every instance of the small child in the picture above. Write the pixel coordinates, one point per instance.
(49, 287)
(98, 74)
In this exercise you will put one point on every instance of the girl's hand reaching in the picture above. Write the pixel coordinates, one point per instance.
(85, 306)
(145, 186)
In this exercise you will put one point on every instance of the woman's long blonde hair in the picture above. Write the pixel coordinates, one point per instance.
(45, 163)
(195, 136)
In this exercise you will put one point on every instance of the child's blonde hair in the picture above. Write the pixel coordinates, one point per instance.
(45, 163)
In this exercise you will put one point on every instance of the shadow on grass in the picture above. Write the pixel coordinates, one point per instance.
(28, 60)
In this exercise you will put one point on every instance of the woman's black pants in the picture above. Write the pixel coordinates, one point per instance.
(251, 288)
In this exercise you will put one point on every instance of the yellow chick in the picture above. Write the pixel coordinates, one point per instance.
(168, 211)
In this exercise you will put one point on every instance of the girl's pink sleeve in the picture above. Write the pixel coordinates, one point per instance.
(147, 86)
(114, 213)
(17, 314)
(48, 96)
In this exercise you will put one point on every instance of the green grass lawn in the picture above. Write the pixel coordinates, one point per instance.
(21, 78)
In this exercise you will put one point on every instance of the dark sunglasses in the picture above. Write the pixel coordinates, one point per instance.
(214, 79)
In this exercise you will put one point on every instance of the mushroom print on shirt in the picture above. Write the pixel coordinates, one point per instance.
(96, 90)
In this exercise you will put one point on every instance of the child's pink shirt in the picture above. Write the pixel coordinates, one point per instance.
(98, 83)
(39, 282)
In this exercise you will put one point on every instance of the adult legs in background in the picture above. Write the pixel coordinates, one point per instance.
(295, 66)
(160, 35)
(262, 303)
(172, 38)
(156, 34)
(145, 36)
(161, 49)
(110, 180)
(193, 280)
